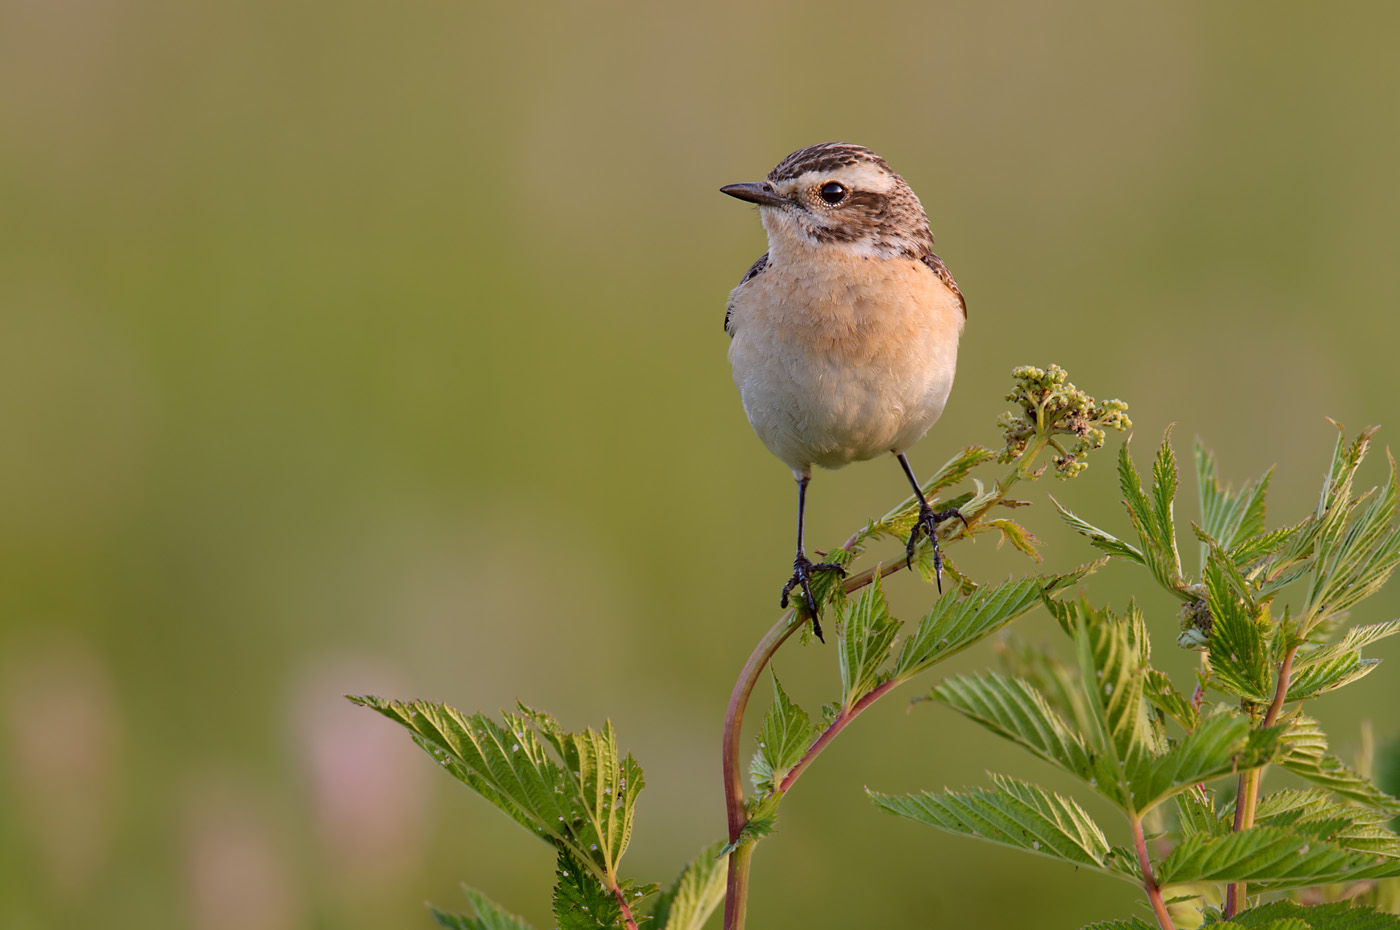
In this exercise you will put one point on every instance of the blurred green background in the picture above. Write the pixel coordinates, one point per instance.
(376, 347)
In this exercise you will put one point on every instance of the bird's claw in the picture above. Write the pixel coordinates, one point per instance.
(802, 569)
(927, 523)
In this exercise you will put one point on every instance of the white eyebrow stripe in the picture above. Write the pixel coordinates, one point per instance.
(863, 177)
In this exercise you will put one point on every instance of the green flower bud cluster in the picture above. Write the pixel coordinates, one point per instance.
(1049, 405)
(1196, 621)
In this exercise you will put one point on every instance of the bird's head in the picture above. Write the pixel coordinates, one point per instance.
(838, 195)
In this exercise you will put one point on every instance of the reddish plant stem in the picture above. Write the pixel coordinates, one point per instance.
(736, 895)
(846, 716)
(737, 889)
(1247, 796)
(734, 720)
(1149, 883)
(626, 911)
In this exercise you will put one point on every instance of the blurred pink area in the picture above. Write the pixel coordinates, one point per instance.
(61, 744)
(236, 875)
(368, 785)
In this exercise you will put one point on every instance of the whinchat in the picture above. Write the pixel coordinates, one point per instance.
(844, 335)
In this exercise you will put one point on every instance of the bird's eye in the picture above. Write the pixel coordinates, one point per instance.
(833, 192)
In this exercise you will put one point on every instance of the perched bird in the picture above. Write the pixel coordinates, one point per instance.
(844, 335)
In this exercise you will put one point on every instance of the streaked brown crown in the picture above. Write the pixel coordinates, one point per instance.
(825, 156)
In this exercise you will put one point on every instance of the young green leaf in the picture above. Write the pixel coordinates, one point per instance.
(1014, 533)
(488, 916)
(787, 732)
(1057, 682)
(1223, 744)
(694, 895)
(1307, 758)
(1158, 688)
(1336, 915)
(1112, 653)
(1196, 811)
(1164, 485)
(867, 631)
(1238, 655)
(1329, 818)
(1270, 856)
(956, 623)
(581, 901)
(762, 822)
(1357, 547)
(1152, 518)
(1328, 667)
(1101, 539)
(1017, 814)
(582, 799)
(1012, 708)
(1127, 923)
(1228, 517)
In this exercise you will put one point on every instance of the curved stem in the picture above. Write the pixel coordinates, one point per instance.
(736, 894)
(734, 722)
(1149, 883)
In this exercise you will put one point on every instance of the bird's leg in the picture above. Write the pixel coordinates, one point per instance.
(927, 523)
(802, 567)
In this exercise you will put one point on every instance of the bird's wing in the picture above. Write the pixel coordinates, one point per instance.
(936, 264)
(754, 271)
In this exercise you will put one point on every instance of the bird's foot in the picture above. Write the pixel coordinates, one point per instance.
(802, 570)
(927, 524)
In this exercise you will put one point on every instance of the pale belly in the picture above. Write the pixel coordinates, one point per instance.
(842, 377)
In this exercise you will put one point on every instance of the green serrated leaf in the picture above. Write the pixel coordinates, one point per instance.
(1017, 535)
(1127, 923)
(1017, 814)
(1307, 758)
(786, 733)
(762, 822)
(1270, 856)
(581, 901)
(1158, 688)
(1056, 681)
(1223, 744)
(695, 893)
(1164, 485)
(488, 915)
(1357, 543)
(1196, 810)
(1238, 655)
(1112, 656)
(1152, 517)
(1228, 517)
(1100, 539)
(1338, 915)
(866, 634)
(900, 520)
(1327, 667)
(955, 623)
(1014, 709)
(580, 797)
(1329, 818)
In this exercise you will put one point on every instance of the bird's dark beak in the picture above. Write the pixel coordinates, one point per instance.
(761, 194)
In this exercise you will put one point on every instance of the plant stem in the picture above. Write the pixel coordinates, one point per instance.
(846, 716)
(736, 893)
(626, 911)
(1149, 883)
(734, 722)
(1247, 797)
